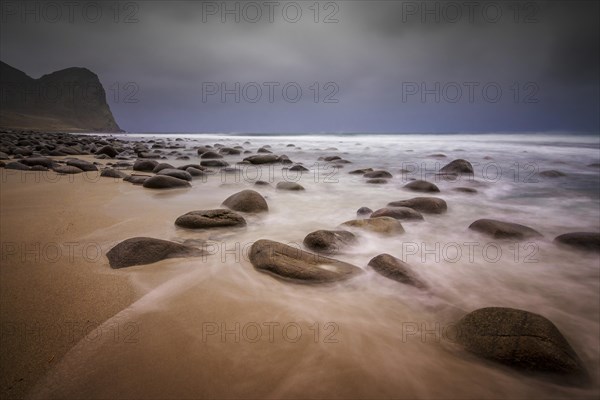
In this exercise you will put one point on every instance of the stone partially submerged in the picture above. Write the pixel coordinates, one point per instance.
(587, 241)
(503, 230)
(295, 265)
(206, 219)
(145, 250)
(395, 269)
(428, 205)
(325, 241)
(521, 340)
(248, 201)
(380, 225)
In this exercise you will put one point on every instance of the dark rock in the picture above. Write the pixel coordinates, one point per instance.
(263, 150)
(248, 201)
(422, 186)
(427, 205)
(552, 174)
(195, 171)
(298, 167)
(401, 213)
(381, 225)
(210, 155)
(289, 263)
(262, 183)
(229, 151)
(17, 166)
(112, 173)
(262, 159)
(395, 269)
(66, 169)
(377, 174)
(214, 163)
(465, 190)
(377, 181)
(108, 151)
(521, 340)
(204, 219)
(329, 241)
(364, 211)
(145, 250)
(136, 179)
(186, 166)
(162, 166)
(165, 182)
(82, 165)
(360, 171)
(144, 165)
(176, 173)
(459, 166)
(503, 230)
(588, 241)
(289, 186)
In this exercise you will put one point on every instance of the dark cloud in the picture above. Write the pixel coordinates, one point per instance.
(371, 54)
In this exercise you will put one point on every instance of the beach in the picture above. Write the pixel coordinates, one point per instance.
(216, 326)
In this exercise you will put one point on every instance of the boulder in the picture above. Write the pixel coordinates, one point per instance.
(503, 230)
(214, 163)
(360, 171)
(381, 225)
(329, 241)
(458, 167)
(427, 205)
(144, 165)
(588, 241)
(112, 173)
(299, 167)
(395, 269)
(145, 250)
(377, 181)
(66, 169)
(33, 161)
(165, 182)
(205, 219)
(465, 190)
(552, 174)
(136, 179)
(162, 166)
(289, 186)
(295, 265)
(82, 165)
(262, 159)
(195, 171)
(210, 155)
(248, 201)
(364, 211)
(521, 340)
(176, 173)
(401, 213)
(377, 174)
(422, 186)
(17, 166)
(108, 150)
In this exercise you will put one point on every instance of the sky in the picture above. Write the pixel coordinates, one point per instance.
(329, 66)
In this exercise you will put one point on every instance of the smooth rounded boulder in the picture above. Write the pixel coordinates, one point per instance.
(82, 165)
(298, 266)
(380, 225)
(401, 213)
(521, 340)
(377, 174)
(207, 219)
(325, 241)
(428, 205)
(587, 241)
(66, 169)
(248, 201)
(145, 250)
(112, 173)
(165, 182)
(293, 186)
(262, 159)
(395, 269)
(144, 165)
(364, 211)
(503, 230)
(176, 173)
(422, 186)
(459, 166)
(214, 163)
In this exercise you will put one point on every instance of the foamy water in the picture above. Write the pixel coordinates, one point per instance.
(215, 328)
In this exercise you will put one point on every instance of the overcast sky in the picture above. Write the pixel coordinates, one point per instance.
(379, 66)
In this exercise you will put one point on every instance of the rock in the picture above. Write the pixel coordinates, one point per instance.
(289, 186)
(262, 159)
(427, 205)
(377, 174)
(377, 181)
(360, 171)
(17, 166)
(364, 211)
(205, 219)
(382, 225)
(401, 213)
(165, 182)
(588, 241)
(195, 172)
(262, 183)
(176, 173)
(3, 156)
(210, 155)
(459, 166)
(214, 163)
(328, 241)
(332, 158)
(248, 201)
(552, 174)
(289, 263)
(136, 179)
(145, 250)
(144, 165)
(521, 340)
(82, 165)
(108, 150)
(186, 166)
(33, 161)
(112, 173)
(66, 169)
(229, 151)
(422, 186)
(203, 149)
(465, 190)
(162, 166)
(299, 167)
(395, 269)
(263, 150)
(503, 230)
